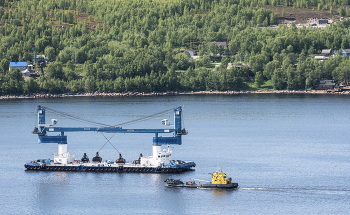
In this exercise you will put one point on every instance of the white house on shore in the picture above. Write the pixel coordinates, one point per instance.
(21, 66)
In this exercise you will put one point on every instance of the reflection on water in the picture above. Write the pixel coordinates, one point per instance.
(222, 192)
(61, 176)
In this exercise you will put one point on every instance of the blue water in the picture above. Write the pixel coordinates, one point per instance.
(290, 154)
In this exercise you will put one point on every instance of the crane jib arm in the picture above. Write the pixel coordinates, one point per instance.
(43, 129)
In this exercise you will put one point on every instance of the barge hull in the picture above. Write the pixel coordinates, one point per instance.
(116, 169)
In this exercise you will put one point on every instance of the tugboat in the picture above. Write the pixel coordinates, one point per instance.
(219, 180)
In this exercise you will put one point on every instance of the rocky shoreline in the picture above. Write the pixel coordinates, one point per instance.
(97, 94)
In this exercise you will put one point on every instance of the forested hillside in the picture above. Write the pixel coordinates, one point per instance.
(140, 46)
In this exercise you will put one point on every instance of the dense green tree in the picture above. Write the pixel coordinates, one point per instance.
(257, 62)
(182, 60)
(12, 84)
(31, 86)
(89, 85)
(54, 86)
(342, 73)
(50, 53)
(259, 79)
(202, 62)
(279, 79)
(54, 71)
(4, 65)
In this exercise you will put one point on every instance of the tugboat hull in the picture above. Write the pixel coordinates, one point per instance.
(192, 184)
(219, 186)
(207, 186)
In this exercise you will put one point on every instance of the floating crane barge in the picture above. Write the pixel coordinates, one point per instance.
(159, 162)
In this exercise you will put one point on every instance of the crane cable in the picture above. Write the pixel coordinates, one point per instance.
(105, 125)
(140, 119)
(129, 122)
(69, 116)
(108, 141)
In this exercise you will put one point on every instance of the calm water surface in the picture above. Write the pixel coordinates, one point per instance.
(289, 154)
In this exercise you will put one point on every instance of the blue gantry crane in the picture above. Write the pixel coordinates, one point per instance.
(43, 129)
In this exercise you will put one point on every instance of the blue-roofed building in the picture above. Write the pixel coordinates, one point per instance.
(22, 66)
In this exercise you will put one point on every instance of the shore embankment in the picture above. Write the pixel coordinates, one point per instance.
(98, 94)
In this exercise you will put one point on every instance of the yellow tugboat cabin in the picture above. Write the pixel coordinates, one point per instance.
(220, 178)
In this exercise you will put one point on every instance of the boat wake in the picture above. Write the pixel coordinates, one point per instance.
(294, 189)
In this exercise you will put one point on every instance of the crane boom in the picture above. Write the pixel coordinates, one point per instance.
(43, 129)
